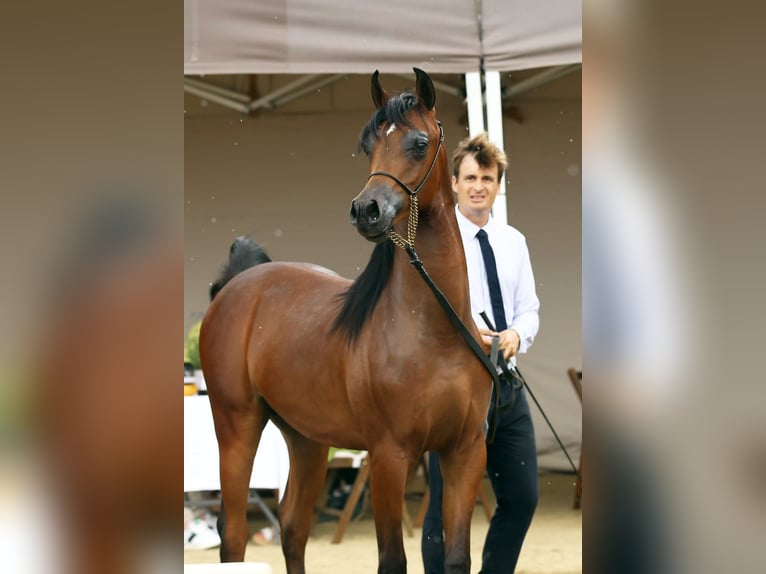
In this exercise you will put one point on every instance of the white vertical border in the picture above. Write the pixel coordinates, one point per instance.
(475, 103)
(495, 132)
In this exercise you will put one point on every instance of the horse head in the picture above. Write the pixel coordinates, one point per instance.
(403, 141)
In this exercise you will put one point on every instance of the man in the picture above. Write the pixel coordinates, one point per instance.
(502, 285)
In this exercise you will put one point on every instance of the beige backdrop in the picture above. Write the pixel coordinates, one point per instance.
(287, 176)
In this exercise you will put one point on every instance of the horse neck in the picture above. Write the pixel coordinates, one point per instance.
(440, 248)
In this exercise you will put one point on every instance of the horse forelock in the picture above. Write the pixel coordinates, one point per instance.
(395, 111)
(360, 299)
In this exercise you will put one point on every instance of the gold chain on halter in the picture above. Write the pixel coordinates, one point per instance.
(412, 226)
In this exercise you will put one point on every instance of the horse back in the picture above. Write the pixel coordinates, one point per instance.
(268, 335)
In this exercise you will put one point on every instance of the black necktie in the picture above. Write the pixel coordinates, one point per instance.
(494, 284)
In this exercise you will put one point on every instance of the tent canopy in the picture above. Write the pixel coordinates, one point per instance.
(349, 36)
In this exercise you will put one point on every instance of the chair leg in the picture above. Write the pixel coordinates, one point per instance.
(489, 510)
(353, 498)
(421, 515)
(407, 520)
(575, 377)
(578, 484)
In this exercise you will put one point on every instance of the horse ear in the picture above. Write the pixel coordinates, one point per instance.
(425, 89)
(379, 95)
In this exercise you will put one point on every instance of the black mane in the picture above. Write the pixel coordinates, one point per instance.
(360, 299)
(393, 111)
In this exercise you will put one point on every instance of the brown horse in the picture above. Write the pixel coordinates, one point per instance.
(374, 364)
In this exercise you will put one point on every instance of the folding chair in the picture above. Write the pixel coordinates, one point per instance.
(352, 460)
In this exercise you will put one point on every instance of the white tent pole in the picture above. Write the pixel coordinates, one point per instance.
(495, 132)
(540, 79)
(268, 99)
(213, 89)
(217, 98)
(306, 90)
(475, 103)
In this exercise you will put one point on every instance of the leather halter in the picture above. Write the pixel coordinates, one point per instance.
(412, 218)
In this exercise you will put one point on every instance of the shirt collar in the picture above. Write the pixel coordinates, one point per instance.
(468, 229)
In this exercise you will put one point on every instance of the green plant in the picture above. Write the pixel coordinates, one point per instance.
(191, 346)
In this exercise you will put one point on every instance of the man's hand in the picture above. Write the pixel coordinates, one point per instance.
(509, 341)
(486, 339)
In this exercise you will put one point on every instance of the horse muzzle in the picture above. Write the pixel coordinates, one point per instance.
(373, 215)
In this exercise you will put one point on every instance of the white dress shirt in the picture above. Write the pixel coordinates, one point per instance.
(514, 270)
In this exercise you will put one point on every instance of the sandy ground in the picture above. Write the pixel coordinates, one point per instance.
(553, 544)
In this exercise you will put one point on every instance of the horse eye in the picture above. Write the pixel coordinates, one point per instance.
(420, 146)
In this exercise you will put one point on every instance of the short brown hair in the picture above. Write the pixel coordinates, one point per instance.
(483, 151)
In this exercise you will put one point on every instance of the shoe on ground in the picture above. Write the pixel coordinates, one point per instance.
(199, 536)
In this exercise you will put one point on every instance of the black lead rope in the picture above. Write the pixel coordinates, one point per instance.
(504, 366)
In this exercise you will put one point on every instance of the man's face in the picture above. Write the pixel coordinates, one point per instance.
(476, 187)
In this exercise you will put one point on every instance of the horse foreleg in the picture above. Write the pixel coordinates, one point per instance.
(238, 435)
(388, 477)
(308, 469)
(462, 472)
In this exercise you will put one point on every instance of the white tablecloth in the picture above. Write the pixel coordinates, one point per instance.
(201, 452)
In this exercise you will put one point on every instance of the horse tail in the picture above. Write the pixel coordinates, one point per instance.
(243, 254)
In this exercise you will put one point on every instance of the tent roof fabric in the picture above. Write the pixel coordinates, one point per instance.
(349, 36)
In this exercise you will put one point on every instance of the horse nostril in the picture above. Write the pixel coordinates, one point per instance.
(372, 211)
(354, 212)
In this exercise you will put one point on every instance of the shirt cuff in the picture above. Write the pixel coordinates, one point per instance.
(523, 345)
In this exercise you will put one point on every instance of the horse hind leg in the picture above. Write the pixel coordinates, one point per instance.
(238, 431)
(308, 469)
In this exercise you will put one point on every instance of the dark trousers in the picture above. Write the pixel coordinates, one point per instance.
(512, 469)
